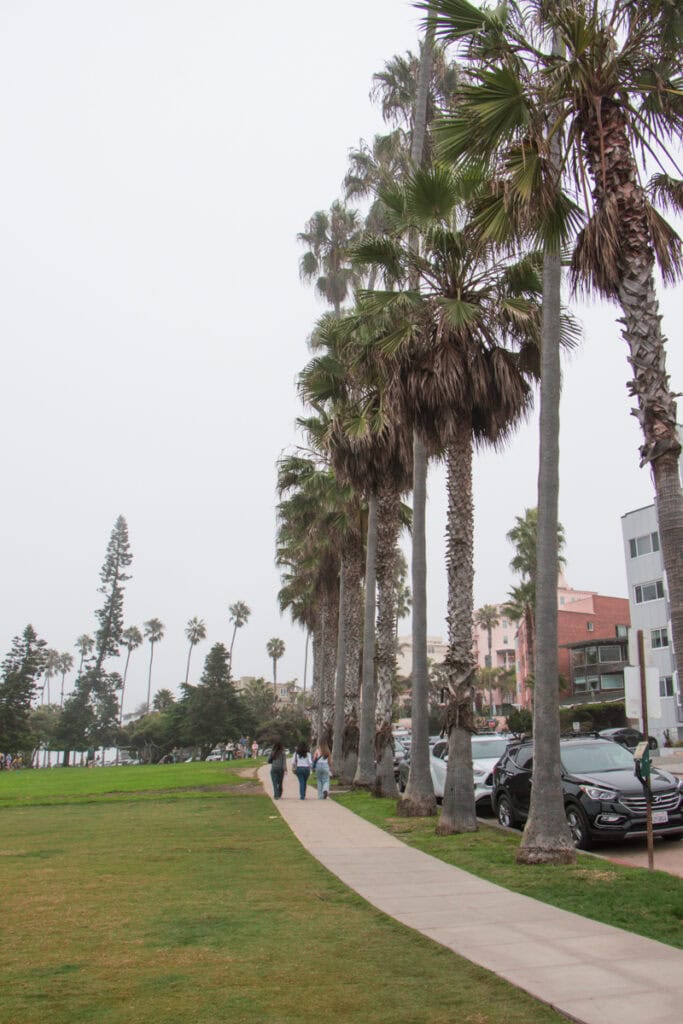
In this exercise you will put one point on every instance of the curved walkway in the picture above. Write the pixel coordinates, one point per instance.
(591, 972)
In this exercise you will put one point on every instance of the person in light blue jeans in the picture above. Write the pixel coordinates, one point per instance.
(301, 766)
(322, 765)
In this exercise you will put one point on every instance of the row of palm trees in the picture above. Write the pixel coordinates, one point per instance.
(525, 153)
(132, 638)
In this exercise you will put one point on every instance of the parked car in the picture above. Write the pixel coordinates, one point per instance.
(603, 798)
(486, 752)
(401, 753)
(627, 737)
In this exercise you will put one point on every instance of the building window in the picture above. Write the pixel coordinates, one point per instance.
(504, 623)
(579, 657)
(591, 655)
(615, 652)
(561, 600)
(622, 631)
(612, 681)
(666, 686)
(505, 639)
(590, 626)
(649, 591)
(644, 545)
(584, 684)
(659, 638)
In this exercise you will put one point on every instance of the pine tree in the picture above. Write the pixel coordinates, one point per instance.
(113, 577)
(21, 670)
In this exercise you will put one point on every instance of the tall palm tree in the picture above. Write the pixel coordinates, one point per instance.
(523, 599)
(52, 667)
(329, 237)
(612, 82)
(487, 617)
(275, 649)
(239, 616)
(66, 663)
(466, 385)
(84, 645)
(154, 632)
(131, 638)
(195, 631)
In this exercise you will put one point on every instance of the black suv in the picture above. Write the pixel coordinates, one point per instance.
(603, 798)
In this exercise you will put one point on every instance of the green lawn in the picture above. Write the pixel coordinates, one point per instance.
(649, 904)
(126, 905)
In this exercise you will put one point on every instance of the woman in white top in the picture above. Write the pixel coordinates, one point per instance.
(301, 766)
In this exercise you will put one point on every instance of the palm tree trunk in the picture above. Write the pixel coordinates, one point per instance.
(353, 637)
(388, 525)
(187, 667)
(329, 667)
(546, 838)
(365, 769)
(616, 181)
(149, 677)
(418, 799)
(458, 812)
(340, 676)
(308, 639)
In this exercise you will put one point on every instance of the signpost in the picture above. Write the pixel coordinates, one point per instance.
(642, 754)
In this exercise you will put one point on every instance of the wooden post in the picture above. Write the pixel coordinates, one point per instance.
(646, 733)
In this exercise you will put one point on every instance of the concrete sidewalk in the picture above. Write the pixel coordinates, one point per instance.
(590, 972)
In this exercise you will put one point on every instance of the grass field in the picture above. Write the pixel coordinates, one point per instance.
(127, 901)
(630, 898)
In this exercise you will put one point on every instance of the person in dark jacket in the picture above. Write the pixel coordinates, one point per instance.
(278, 768)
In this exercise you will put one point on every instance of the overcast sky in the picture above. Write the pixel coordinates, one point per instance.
(157, 159)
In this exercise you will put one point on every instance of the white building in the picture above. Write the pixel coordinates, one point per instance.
(649, 605)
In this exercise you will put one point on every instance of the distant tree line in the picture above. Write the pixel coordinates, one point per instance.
(92, 715)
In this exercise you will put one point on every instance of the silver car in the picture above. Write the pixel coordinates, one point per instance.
(486, 752)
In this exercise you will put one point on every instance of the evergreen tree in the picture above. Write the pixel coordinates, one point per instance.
(21, 670)
(210, 711)
(113, 577)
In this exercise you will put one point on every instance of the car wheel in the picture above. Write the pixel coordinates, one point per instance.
(578, 826)
(506, 816)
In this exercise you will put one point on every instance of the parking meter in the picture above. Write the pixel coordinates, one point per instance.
(643, 765)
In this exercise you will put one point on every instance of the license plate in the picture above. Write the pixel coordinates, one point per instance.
(659, 817)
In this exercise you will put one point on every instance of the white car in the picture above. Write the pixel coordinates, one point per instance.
(486, 752)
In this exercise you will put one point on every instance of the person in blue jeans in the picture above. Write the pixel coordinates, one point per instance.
(301, 765)
(322, 765)
(278, 768)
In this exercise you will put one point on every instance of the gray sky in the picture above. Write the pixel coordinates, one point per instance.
(157, 159)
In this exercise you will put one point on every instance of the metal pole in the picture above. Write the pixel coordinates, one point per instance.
(646, 733)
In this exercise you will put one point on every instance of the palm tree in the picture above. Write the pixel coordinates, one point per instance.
(84, 646)
(329, 237)
(523, 599)
(195, 631)
(52, 667)
(465, 383)
(612, 85)
(239, 616)
(487, 618)
(66, 663)
(308, 545)
(154, 632)
(275, 649)
(131, 638)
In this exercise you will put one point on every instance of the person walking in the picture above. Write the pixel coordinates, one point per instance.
(278, 768)
(301, 765)
(322, 766)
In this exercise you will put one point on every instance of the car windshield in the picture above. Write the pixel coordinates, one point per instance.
(488, 748)
(596, 757)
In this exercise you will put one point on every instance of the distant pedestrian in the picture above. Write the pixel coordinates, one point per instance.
(230, 751)
(254, 749)
(301, 765)
(322, 765)
(278, 768)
